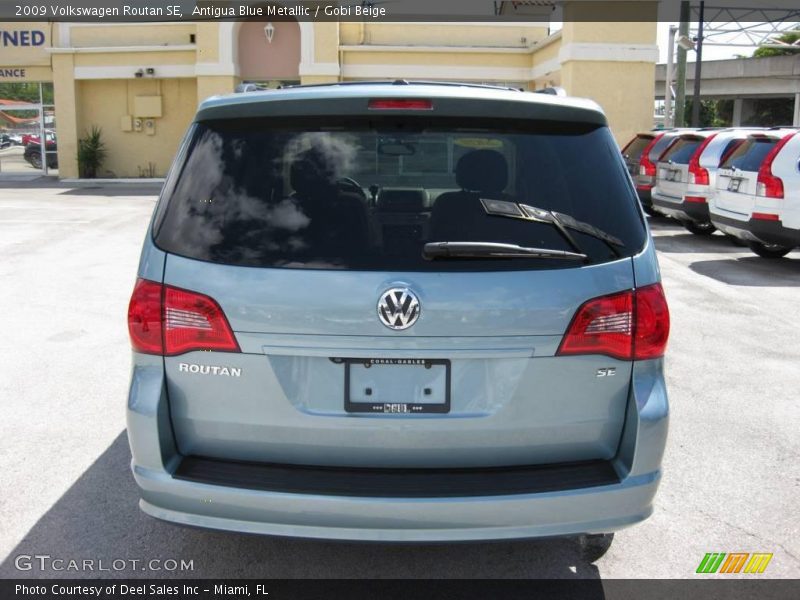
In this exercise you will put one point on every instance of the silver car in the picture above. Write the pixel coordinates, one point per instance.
(398, 312)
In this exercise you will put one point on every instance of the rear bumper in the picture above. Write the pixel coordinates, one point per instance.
(682, 210)
(773, 232)
(758, 230)
(616, 494)
(593, 510)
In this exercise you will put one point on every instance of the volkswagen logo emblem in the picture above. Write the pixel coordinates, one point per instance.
(398, 308)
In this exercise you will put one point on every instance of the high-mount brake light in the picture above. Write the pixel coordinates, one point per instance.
(767, 184)
(166, 320)
(629, 325)
(400, 104)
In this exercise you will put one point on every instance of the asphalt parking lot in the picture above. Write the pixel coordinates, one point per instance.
(67, 266)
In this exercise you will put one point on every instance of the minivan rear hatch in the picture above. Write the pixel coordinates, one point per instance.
(306, 230)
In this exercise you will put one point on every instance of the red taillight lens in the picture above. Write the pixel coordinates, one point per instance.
(646, 166)
(144, 317)
(602, 326)
(767, 184)
(695, 199)
(630, 325)
(698, 174)
(759, 216)
(652, 322)
(167, 320)
(400, 104)
(194, 321)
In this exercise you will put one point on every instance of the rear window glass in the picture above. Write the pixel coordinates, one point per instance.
(367, 194)
(749, 155)
(661, 145)
(636, 146)
(682, 150)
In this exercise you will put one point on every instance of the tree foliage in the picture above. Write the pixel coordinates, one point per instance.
(789, 37)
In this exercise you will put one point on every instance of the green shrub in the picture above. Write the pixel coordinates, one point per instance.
(91, 153)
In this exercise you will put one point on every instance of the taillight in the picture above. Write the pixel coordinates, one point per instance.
(400, 104)
(695, 199)
(698, 174)
(646, 166)
(630, 325)
(767, 184)
(168, 320)
(651, 325)
(144, 317)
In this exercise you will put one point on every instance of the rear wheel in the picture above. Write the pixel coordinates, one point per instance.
(36, 160)
(700, 228)
(649, 210)
(595, 546)
(769, 250)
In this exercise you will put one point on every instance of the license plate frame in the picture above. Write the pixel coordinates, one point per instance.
(734, 184)
(405, 408)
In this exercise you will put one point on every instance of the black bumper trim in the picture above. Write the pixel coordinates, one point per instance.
(397, 483)
(768, 232)
(773, 232)
(696, 211)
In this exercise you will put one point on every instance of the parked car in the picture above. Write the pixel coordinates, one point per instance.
(476, 354)
(751, 190)
(687, 175)
(646, 178)
(33, 154)
(632, 151)
(33, 138)
(5, 141)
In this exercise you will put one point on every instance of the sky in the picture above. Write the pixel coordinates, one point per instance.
(709, 52)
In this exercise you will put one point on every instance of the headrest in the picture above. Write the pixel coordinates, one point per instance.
(312, 170)
(482, 171)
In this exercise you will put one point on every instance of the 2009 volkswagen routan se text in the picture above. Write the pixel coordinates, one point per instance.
(393, 311)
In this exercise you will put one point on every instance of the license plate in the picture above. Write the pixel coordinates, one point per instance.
(733, 185)
(396, 385)
(673, 176)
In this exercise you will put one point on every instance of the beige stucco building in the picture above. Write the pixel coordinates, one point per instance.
(141, 83)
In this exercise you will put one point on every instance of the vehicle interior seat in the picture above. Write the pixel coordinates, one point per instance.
(459, 216)
(339, 216)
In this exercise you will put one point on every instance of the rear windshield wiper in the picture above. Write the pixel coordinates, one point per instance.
(562, 222)
(434, 250)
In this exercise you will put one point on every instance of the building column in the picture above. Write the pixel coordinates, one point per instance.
(612, 62)
(736, 119)
(796, 117)
(66, 108)
(319, 60)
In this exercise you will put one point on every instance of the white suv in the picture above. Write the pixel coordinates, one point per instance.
(751, 184)
(686, 176)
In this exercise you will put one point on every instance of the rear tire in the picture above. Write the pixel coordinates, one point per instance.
(35, 160)
(769, 250)
(594, 546)
(700, 228)
(649, 210)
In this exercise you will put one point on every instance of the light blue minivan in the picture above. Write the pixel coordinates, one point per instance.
(398, 312)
